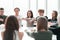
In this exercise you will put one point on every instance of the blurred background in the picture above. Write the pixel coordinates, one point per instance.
(34, 5)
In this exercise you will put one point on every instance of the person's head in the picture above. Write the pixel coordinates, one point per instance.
(29, 14)
(54, 14)
(42, 23)
(41, 12)
(1, 11)
(16, 11)
(11, 24)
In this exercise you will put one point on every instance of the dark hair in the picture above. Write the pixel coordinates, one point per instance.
(1, 8)
(17, 8)
(56, 14)
(11, 26)
(42, 23)
(41, 10)
(31, 14)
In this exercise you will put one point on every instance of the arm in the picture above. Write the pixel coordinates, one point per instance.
(2, 30)
(30, 34)
(25, 19)
(2, 34)
(33, 19)
(21, 35)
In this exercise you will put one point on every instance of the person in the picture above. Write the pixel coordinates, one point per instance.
(29, 19)
(57, 29)
(53, 22)
(54, 16)
(41, 13)
(16, 10)
(2, 16)
(12, 29)
(42, 30)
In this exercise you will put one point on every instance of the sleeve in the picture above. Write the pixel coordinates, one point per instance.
(31, 34)
(2, 28)
(46, 17)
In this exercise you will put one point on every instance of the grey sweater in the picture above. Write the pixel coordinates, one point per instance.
(46, 35)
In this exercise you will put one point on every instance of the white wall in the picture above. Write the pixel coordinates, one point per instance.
(51, 5)
(25, 5)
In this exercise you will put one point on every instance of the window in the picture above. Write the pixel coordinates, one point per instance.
(33, 7)
(23, 5)
(42, 5)
(7, 5)
(51, 5)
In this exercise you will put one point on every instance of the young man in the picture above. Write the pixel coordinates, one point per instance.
(41, 13)
(17, 10)
(2, 16)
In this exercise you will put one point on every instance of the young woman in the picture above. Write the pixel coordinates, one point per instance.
(53, 22)
(54, 16)
(29, 19)
(12, 29)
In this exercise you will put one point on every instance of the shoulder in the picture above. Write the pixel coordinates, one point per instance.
(35, 33)
(46, 32)
(50, 32)
(37, 17)
(4, 16)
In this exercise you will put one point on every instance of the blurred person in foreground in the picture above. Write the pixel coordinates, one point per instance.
(12, 29)
(42, 30)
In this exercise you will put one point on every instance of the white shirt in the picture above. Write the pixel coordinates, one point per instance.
(19, 20)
